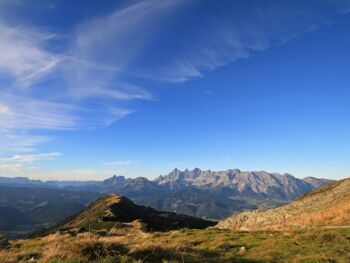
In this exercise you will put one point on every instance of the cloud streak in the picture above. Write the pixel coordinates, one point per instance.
(17, 163)
(22, 56)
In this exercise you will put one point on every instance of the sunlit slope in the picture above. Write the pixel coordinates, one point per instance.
(325, 207)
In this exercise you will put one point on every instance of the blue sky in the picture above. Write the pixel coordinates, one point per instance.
(89, 89)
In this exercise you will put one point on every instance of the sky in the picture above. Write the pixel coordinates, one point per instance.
(89, 89)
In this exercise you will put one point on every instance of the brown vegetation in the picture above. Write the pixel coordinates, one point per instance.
(327, 206)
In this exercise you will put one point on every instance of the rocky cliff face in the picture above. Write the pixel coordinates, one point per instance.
(259, 182)
(326, 206)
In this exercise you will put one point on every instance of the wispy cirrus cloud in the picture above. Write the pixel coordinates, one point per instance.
(88, 76)
(17, 142)
(23, 58)
(16, 164)
(33, 157)
(103, 50)
(23, 112)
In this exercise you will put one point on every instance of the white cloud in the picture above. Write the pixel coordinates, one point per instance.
(16, 164)
(14, 143)
(103, 49)
(90, 74)
(23, 112)
(22, 56)
(8, 169)
(33, 157)
(4, 110)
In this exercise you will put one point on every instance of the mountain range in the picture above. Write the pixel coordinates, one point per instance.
(211, 194)
(207, 194)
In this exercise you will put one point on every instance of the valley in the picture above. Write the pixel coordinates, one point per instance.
(114, 229)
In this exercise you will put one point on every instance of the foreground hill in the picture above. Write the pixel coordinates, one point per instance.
(112, 211)
(327, 206)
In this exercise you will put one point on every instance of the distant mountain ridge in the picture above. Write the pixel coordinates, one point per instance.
(259, 182)
(201, 193)
(25, 181)
(241, 181)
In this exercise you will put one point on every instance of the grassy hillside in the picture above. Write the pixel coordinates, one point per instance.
(326, 206)
(211, 245)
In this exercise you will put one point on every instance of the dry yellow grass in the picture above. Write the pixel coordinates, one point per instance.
(212, 245)
(327, 206)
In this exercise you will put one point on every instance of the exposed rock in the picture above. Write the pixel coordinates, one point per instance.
(242, 251)
(4, 243)
(259, 182)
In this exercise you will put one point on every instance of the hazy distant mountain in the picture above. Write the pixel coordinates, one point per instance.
(326, 206)
(133, 188)
(317, 182)
(26, 199)
(26, 182)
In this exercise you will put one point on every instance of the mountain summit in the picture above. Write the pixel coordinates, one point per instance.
(258, 182)
(326, 206)
(113, 210)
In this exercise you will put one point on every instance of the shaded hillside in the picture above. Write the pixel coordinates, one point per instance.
(326, 206)
(108, 211)
(199, 203)
(51, 213)
(10, 218)
(25, 199)
(28, 209)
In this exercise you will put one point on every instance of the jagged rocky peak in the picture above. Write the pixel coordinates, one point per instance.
(254, 181)
(115, 179)
(283, 186)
